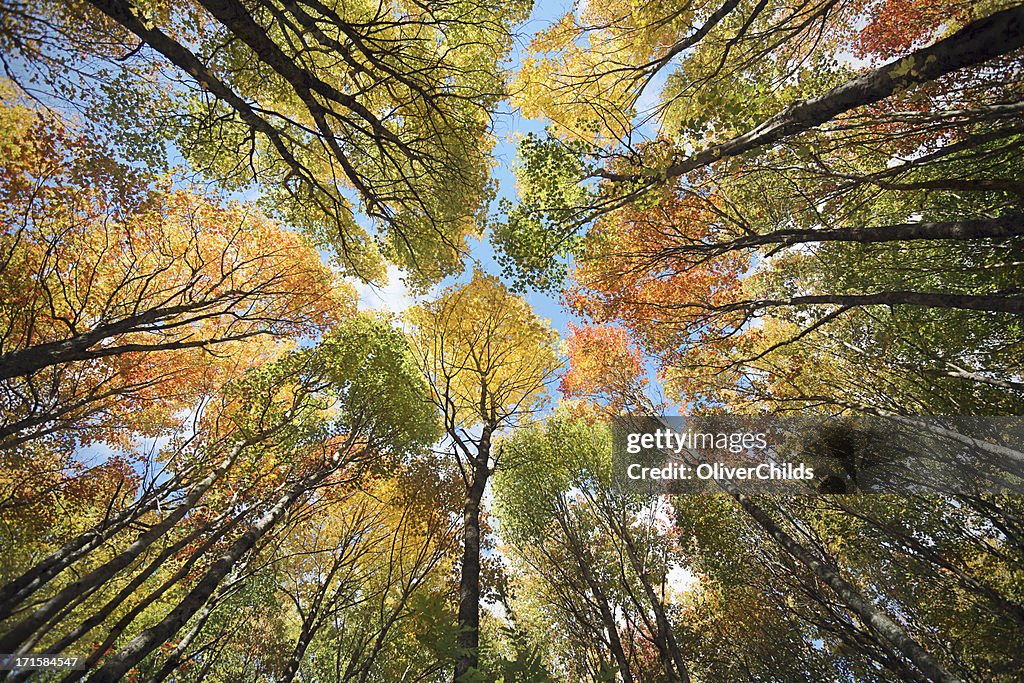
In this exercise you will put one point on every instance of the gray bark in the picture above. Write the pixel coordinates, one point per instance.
(469, 579)
(22, 631)
(135, 651)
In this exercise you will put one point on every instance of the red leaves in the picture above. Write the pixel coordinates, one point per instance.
(643, 268)
(604, 365)
(898, 26)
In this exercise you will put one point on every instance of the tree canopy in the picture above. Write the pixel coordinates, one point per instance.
(597, 222)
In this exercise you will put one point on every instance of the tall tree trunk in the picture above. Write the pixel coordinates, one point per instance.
(174, 660)
(469, 579)
(24, 586)
(311, 621)
(22, 631)
(996, 228)
(135, 651)
(299, 651)
(967, 302)
(142, 604)
(81, 346)
(130, 589)
(994, 36)
(889, 632)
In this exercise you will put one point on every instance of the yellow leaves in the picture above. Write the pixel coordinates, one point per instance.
(558, 37)
(174, 292)
(15, 121)
(594, 107)
(905, 68)
(569, 76)
(586, 73)
(486, 353)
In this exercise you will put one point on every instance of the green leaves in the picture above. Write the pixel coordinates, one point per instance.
(545, 463)
(360, 380)
(540, 229)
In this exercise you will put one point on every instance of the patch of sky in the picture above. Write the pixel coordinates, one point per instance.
(509, 127)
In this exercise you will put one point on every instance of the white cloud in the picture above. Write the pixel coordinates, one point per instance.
(680, 579)
(393, 297)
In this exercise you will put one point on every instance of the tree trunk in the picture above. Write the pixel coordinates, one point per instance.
(998, 34)
(888, 630)
(175, 659)
(135, 651)
(997, 228)
(298, 652)
(21, 632)
(584, 561)
(79, 347)
(469, 579)
(967, 302)
(130, 589)
(142, 604)
(311, 622)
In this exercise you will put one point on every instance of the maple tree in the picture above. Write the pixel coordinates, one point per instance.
(605, 368)
(488, 359)
(125, 298)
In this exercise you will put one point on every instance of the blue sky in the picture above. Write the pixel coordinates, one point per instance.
(509, 124)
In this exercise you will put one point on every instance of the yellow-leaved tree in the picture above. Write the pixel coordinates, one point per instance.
(488, 359)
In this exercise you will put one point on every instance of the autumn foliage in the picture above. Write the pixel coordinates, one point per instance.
(138, 281)
(802, 217)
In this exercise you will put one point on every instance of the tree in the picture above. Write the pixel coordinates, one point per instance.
(596, 548)
(606, 368)
(317, 420)
(488, 359)
(331, 110)
(790, 207)
(126, 299)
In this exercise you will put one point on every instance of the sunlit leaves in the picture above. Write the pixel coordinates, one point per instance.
(139, 280)
(486, 353)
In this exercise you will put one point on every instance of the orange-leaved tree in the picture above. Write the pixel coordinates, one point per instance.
(124, 297)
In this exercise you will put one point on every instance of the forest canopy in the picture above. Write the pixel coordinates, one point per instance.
(220, 460)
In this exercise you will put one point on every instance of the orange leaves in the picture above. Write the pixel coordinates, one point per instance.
(642, 266)
(124, 299)
(650, 268)
(898, 26)
(604, 364)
